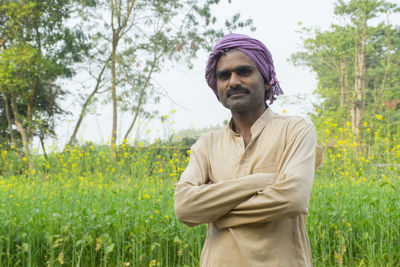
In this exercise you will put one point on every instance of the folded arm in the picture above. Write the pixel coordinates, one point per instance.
(197, 201)
(289, 196)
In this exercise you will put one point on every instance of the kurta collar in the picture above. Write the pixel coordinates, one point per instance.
(257, 126)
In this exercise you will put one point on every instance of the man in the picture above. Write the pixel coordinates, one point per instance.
(250, 181)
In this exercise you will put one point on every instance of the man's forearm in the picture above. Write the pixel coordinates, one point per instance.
(197, 204)
(283, 199)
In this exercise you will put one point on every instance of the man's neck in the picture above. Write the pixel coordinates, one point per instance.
(242, 122)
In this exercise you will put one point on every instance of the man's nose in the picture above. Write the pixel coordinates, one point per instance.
(234, 80)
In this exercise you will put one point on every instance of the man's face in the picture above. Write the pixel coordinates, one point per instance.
(240, 84)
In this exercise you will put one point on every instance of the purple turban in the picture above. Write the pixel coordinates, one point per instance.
(255, 50)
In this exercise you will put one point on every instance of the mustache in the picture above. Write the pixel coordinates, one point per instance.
(236, 90)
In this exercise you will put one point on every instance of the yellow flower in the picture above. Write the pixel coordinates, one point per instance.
(153, 263)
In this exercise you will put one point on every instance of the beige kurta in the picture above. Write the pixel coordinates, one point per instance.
(254, 199)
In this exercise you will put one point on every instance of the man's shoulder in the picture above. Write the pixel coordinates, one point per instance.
(213, 135)
(292, 121)
(210, 137)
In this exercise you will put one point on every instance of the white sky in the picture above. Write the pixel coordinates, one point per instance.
(196, 105)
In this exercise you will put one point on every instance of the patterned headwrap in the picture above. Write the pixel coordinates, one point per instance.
(256, 51)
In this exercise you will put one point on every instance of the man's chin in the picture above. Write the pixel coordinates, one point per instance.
(237, 106)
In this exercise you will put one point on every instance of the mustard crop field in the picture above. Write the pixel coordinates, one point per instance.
(77, 208)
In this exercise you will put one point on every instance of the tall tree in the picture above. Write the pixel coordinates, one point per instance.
(37, 48)
(355, 63)
(137, 40)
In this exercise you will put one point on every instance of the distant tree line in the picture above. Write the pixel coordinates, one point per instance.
(122, 44)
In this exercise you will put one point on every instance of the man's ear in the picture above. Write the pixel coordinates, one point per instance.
(267, 86)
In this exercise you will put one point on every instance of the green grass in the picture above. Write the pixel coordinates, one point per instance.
(79, 209)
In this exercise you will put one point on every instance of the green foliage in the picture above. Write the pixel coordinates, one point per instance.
(36, 48)
(355, 63)
(16, 68)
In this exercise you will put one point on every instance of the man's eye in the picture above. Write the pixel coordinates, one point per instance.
(224, 76)
(244, 72)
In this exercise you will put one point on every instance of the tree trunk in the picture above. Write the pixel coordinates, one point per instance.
(35, 84)
(8, 118)
(72, 139)
(359, 106)
(21, 129)
(30, 107)
(140, 101)
(118, 32)
(43, 147)
(379, 95)
(114, 97)
(136, 114)
(342, 84)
